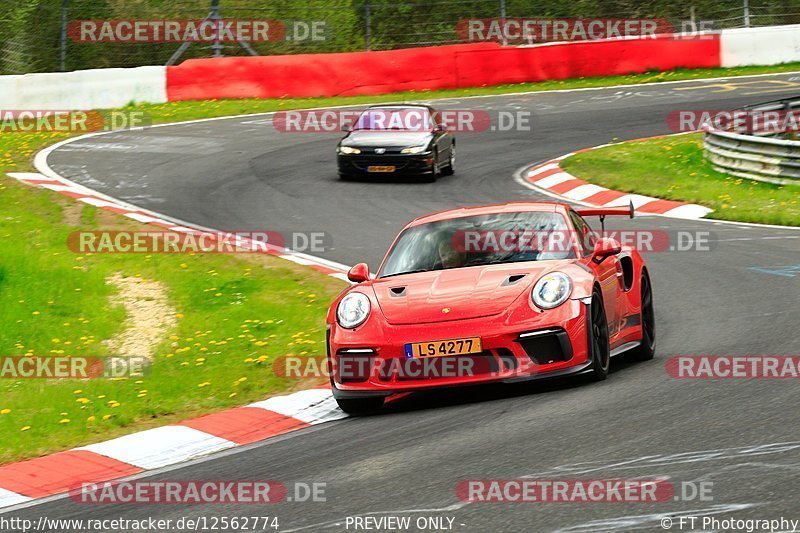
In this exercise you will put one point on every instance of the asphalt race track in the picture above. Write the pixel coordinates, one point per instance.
(240, 174)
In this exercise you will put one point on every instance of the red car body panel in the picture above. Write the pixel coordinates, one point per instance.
(479, 301)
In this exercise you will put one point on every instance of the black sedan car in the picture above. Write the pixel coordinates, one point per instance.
(398, 139)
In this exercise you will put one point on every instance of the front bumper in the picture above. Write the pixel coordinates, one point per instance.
(371, 361)
(358, 164)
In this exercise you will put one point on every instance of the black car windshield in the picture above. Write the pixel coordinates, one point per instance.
(480, 240)
(394, 119)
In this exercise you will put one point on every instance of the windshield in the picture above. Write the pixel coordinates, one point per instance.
(394, 119)
(480, 240)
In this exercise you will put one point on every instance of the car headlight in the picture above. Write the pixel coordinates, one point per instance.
(348, 150)
(353, 310)
(551, 290)
(414, 149)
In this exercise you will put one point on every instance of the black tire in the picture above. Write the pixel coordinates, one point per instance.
(360, 406)
(599, 347)
(647, 350)
(434, 175)
(451, 162)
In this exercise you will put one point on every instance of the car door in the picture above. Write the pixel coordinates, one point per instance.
(441, 137)
(607, 273)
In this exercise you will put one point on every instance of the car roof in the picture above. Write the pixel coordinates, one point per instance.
(510, 207)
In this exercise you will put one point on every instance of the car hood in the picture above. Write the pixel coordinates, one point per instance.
(387, 138)
(455, 294)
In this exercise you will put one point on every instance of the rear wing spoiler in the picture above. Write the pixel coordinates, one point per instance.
(603, 212)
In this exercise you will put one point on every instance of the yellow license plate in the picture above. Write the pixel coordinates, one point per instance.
(444, 348)
(381, 169)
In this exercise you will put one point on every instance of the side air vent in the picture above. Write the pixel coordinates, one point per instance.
(513, 279)
(398, 291)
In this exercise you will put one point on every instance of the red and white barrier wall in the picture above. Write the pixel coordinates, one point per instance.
(365, 73)
(441, 67)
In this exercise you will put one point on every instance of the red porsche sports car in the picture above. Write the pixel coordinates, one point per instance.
(497, 293)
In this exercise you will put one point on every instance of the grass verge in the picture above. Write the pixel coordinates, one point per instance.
(234, 314)
(674, 168)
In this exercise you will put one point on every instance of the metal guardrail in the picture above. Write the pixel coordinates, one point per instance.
(756, 156)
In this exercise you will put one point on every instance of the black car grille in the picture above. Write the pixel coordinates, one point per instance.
(547, 347)
(363, 162)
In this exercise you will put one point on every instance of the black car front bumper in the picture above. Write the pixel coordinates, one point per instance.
(359, 164)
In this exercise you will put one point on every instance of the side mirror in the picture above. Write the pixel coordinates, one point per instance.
(358, 273)
(347, 127)
(605, 247)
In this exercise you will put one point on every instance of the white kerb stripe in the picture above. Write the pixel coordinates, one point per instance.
(64, 188)
(553, 180)
(141, 217)
(8, 498)
(689, 211)
(299, 260)
(159, 447)
(99, 202)
(542, 169)
(311, 406)
(29, 176)
(583, 191)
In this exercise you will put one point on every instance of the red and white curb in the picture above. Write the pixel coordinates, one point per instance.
(82, 194)
(163, 446)
(552, 179)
